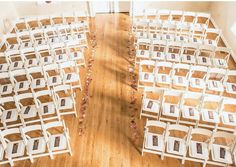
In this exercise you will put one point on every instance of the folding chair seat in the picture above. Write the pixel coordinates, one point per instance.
(35, 144)
(229, 83)
(177, 145)
(210, 109)
(171, 104)
(215, 79)
(176, 16)
(199, 148)
(158, 50)
(188, 54)
(68, 18)
(60, 141)
(73, 76)
(191, 105)
(151, 102)
(173, 51)
(189, 18)
(154, 142)
(45, 21)
(19, 25)
(180, 75)
(56, 20)
(146, 73)
(36, 77)
(6, 88)
(32, 23)
(222, 152)
(217, 59)
(52, 75)
(66, 101)
(19, 80)
(163, 74)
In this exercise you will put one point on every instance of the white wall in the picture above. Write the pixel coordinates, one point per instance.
(225, 17)
(184, 5)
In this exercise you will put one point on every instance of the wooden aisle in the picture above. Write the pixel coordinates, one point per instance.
(107, 141)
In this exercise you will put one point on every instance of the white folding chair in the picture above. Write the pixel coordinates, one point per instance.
(202, 20)
(146, 73)
(215, 78)
(52, 74)
(72, 76)
(36, 145)
(19, 80)
(188, 54)
(68, 18)
(173, 51)
(163, 74)
(222, 147)
(227, 114)
(15, 59)
(29, 56)
(12, 42)
(158, 50)
(154, 142)
(221, 57)
(44, 54)
(212, 36)
(171, 102)
(180, 75)
(209, 109)
(52, 35)
(151, 102)
(9, 116)
(197, 77)
(45, 21)
(229, 83)
(65, 102)
(38, 37)
(190, 106)
(4, 64)
(19, 25)
(58, 142)
(32, 23)
(47, 109)
(189, 17)
(36, 77)
(205, 54)
(15, 148)
(59, 52)
(56, 19)
(168, 31)
(6, 86)
(27, 109)
(177, 144)
(142, 50)
(76, 55)
(199, 144)
(25, 39)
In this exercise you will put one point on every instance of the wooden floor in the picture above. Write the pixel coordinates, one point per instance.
(108, 139)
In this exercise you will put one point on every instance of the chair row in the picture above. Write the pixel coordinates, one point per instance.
(189, 144)
(191, 108)
(42, 55)
(190, 53)
(52, 138)
(172, 16)
(27, 108)
(184, 76)
(38, 77)
(37, 22)
(42, 37)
